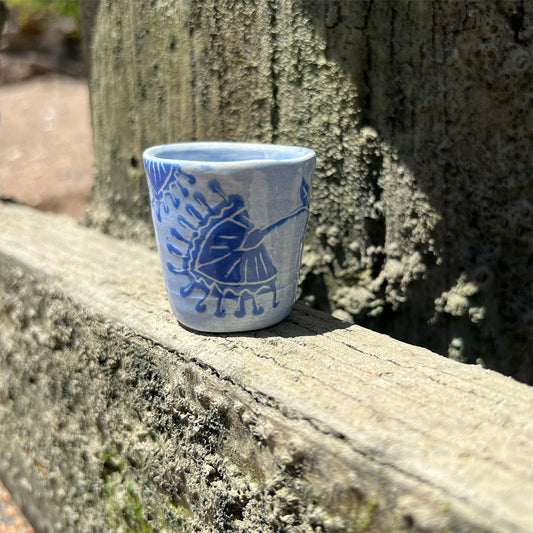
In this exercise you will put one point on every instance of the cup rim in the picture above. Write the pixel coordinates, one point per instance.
(279, 154)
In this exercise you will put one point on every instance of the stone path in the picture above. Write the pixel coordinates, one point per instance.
(11, 519)
(45, 144)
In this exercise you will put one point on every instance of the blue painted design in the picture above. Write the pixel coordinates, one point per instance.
(166, 183)
(214, 243)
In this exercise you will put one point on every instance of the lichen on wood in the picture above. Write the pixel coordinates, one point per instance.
(420, 115)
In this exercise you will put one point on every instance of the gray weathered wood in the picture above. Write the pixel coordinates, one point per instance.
(426, 442)
(419, 112)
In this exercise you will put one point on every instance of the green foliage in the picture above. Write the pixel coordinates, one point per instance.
(63, 8)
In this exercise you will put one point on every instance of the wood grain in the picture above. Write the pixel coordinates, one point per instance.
(460, 434)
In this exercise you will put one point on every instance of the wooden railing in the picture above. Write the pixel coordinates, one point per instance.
(115, 418)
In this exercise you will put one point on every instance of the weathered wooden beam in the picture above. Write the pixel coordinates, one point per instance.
(414, 228)
(113, 416)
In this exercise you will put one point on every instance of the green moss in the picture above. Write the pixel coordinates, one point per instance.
(125, 508)
(124, 505)
(241, 378)
(365, 517)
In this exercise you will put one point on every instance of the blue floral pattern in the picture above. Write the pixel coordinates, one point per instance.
(213, 242)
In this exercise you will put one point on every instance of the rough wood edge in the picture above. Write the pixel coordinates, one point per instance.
(461, 434)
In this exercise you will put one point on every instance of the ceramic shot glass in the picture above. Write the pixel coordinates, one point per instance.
(230, 221)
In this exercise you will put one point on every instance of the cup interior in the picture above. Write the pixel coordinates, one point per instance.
(228, 152)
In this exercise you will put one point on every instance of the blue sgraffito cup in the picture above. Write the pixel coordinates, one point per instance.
(230, 221)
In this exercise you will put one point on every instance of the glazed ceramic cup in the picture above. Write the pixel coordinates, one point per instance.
(230, 221)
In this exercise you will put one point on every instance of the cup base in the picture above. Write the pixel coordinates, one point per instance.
(217, 325)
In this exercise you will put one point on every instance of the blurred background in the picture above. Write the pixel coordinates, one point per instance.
(45, 137)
